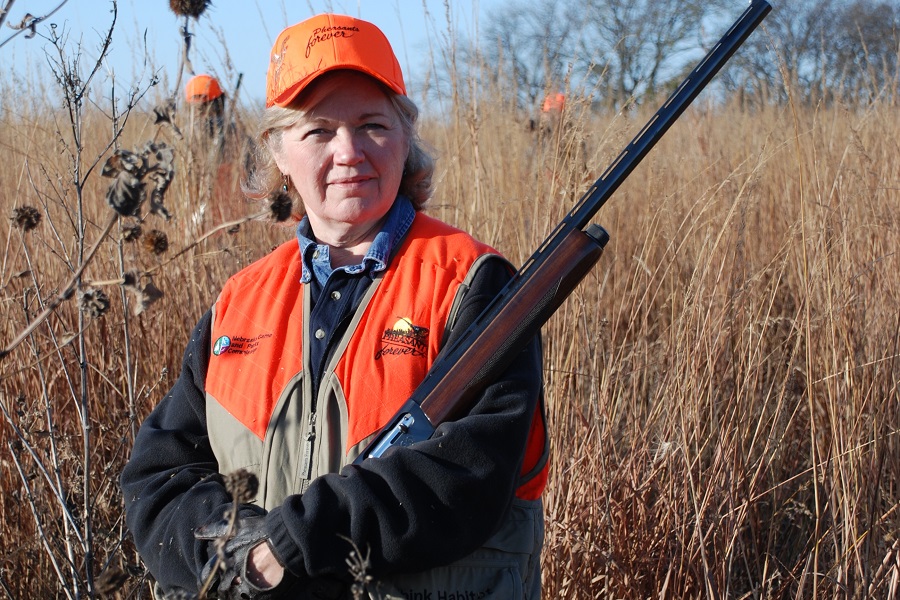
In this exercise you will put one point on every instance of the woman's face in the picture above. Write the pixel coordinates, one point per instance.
(345, 156)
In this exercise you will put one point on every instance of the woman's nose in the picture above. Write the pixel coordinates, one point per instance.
(348, 148)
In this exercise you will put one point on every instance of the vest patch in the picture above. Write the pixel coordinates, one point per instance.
(221, 345)
(403, 338)
(238, 344)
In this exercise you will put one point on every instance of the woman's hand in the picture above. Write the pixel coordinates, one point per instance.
(263, 569)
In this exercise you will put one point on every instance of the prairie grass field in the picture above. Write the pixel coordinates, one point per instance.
(723, 389)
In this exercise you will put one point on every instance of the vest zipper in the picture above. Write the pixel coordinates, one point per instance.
(306, 468)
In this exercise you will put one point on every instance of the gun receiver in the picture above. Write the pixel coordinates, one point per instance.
(547, 278)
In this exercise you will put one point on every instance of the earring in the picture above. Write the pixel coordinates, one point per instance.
(284, 183)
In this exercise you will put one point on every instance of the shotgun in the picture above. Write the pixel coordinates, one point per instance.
(463, 369)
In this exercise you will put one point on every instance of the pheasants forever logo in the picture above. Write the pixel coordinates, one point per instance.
(403, 338)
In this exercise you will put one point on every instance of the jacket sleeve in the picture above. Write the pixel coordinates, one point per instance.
(429, 504)
(171, 483)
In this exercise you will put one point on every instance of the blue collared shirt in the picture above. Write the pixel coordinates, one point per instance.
(336, 293)
(317, 257)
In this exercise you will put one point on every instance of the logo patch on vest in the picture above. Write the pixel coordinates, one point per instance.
(221, 345)
(403, 338)
(238, 344)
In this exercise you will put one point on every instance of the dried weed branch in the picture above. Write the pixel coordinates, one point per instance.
(67, 292)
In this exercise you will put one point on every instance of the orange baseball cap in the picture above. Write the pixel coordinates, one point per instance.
(324, 43)
(555, 103)
(202, 88)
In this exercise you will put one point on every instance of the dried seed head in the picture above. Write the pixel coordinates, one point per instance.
(156, 242)
(145, 293)
(131, 278)
(358, 566)
(26, 218)
(189, 8)
(163, 113)
(125, 193)
(131, 233)
(138, 176)
(93, 302)
(160, 161)
(280, 206)
(242, 485)
(29, 22)
(148, 295)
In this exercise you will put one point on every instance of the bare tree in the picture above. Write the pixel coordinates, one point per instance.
(797, 33)
(828, 50)
(866, 40)
(533, 45)
(642, 43)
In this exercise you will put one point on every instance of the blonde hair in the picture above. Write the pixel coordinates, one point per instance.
(264, 179)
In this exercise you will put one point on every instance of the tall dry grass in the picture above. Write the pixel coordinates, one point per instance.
(722, 389)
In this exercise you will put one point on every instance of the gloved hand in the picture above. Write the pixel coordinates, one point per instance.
(230, 581)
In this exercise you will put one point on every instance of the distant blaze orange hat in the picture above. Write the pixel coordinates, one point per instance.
(325, 43)
(554, 103)
(202, 88)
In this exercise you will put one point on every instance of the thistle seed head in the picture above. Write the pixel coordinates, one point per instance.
(131, 233)
(242, 485)
(93, 302)
(26, 218)
(189, 8)
(156, 242)
(280, 206)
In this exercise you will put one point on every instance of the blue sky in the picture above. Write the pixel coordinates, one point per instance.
(247, 27)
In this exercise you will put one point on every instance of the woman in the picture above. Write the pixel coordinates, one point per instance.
(307, 353)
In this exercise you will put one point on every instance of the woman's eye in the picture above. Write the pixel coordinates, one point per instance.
(315, 132)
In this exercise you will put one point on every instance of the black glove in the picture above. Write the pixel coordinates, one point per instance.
(248, 533)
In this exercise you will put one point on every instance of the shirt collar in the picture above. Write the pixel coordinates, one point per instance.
(316, 258)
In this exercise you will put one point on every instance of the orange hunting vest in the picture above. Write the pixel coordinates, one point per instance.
(255, 384)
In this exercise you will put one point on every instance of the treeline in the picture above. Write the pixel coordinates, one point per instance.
(622, 52)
